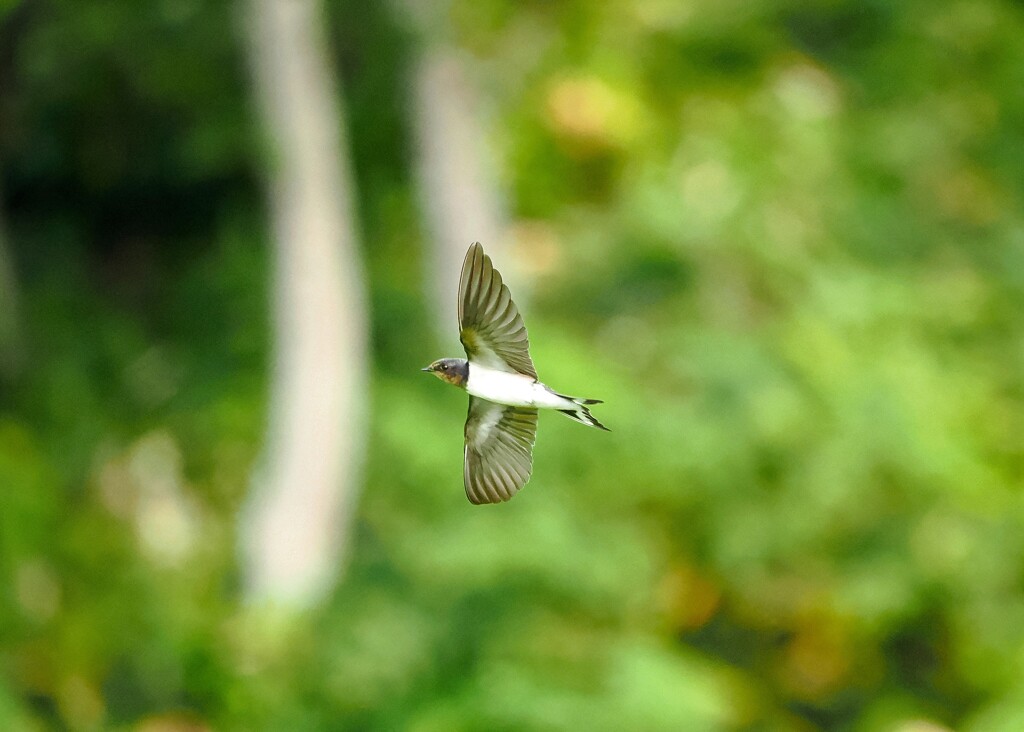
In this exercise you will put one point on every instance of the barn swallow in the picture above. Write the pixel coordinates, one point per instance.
(504, 391)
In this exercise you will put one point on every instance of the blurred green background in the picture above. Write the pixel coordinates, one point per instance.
(784, 241)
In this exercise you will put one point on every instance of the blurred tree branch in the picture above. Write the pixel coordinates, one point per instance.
(457, 186)
(296, 527)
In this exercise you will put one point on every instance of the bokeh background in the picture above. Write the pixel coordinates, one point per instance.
(782, 239)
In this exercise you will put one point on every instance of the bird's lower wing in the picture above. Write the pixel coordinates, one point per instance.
(499, 450)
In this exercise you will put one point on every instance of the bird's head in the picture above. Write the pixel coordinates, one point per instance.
(453, 370)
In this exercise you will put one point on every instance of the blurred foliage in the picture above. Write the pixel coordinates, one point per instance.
(783, 240)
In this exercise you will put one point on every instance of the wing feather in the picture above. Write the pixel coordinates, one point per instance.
(490, 326)
(499, 450)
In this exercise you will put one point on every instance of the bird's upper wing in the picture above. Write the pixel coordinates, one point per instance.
(499, 450)
(490, 326)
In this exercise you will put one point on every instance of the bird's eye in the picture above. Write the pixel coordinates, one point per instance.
(444, 367)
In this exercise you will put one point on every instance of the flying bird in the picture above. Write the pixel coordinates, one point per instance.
(504, 391)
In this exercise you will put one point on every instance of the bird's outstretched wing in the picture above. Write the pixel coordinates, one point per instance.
(499, 450)
(490, 326)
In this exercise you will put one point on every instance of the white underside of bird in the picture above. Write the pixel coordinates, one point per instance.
(514, 390)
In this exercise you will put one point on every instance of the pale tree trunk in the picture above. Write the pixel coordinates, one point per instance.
(296, 527)
(456, 177)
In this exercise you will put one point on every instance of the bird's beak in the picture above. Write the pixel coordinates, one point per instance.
(428, 369)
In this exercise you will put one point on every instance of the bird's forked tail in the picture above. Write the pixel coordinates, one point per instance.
(581, 414)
